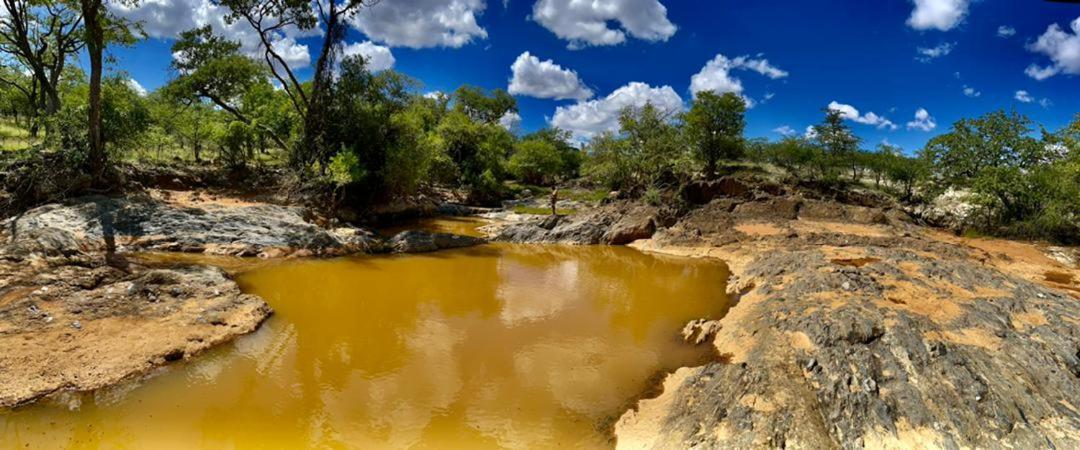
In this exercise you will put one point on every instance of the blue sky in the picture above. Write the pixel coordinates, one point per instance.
(864, 54)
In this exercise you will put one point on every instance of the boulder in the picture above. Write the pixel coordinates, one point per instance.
(700, 192)
(630, 228)
(418, 241)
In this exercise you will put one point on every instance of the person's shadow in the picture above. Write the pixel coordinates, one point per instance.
(107, 219)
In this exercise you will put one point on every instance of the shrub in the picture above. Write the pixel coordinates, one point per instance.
(536, 162)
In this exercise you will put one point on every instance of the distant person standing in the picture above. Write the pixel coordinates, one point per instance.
(554, 201)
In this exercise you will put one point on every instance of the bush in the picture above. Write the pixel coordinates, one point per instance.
(649, 152)
(236, 142)
(1021, 185)
(536, 162)
(797, 157)
(410, 155)
(124, 117)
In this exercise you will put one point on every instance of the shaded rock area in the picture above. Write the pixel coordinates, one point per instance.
(418, 241)
(72, 321)
(856, 328)
(149, 224)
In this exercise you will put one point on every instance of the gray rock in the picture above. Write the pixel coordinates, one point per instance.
(133, 224)
(417, 241)
(615, 223)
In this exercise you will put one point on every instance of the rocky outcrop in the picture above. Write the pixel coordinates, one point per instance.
(145, 224)
(635, 225)
(869, 335)
(75, 321)
(616, 223)
(417, 241)
(700, 192)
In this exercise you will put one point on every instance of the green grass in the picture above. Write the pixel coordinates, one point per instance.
(538, 211)
(584, 196)
(174, 153)
(15, 138)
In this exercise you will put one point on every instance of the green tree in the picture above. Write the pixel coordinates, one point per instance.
(482, 106)
(311, 101)
(478, 150)
(40, 36)
(1022, 185)
(365, 105)
(125, 115)
(536, 161)
(647, 153)
(211, 68)
(570, 156)
(715, 125)
(995, 140)
(838, 142)
(798, 157)
(101, 28)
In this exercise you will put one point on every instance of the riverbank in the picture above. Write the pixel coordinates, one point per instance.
(854, 324)
(856, 327)
(77, 313)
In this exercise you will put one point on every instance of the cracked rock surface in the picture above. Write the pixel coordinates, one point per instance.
(853, 330)
(71, 320)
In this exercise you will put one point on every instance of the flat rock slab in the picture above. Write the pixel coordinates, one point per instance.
(417, 241)
(144, 224)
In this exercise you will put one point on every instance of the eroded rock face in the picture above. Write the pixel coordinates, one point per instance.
(133, 224)
(71, 322)
(868, 335)
(617, 223)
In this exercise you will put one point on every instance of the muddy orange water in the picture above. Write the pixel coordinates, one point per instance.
(494, 346)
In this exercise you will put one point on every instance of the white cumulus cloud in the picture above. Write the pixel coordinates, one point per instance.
(923, 121)
(851, 113)
(511, 121)
(927, 54)
(138, 88)
(971, 92)
(940, 15)
(1063, 49)
(422, 23)
(716, 75)
(378, 58)
(585, 23)
(1006, 31)
(1023, 97)
(590, 118)
(785, 130)
(545, 79)
(167, 18)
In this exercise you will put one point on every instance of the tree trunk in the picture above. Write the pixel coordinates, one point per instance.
(314, 124)
(95, 46)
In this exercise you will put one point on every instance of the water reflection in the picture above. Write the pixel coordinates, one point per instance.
(494, 346)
